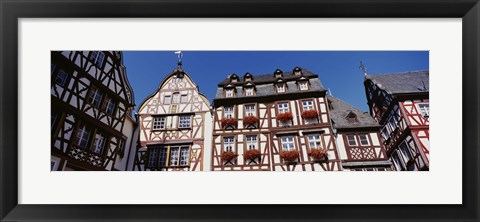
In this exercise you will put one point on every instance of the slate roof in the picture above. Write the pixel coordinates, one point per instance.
(339, 110)
(264, 84)
(405, 82)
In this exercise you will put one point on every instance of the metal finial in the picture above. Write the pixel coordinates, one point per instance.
(363, 68)
(179, 55)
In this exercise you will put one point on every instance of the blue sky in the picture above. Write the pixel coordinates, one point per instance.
(338, 70)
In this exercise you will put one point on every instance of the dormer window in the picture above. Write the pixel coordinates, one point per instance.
(248, 77)
(297, 71)
(303, 85)
(281, 87)
(278, 73)
(352, 118)
(228, 92)
(249, 91)
(234, 78)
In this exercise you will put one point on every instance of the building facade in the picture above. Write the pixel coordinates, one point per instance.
(92, 102)
(273, 122)
(358, 138)
(174, 127)
(400, 103)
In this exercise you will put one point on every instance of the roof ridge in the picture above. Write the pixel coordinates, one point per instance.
(400, 73)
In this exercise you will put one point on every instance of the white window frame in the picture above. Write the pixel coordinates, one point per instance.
(61, 77)
(175, 98)
(152, 157)
(314, 141)
(229, 143)
(162, 157)
(229, 93)
(307, 104)
(184, 121)
(174, 158)
(303, 85)
(349, 137)
(252, 142)
(109, 106)
(424, 109)
(159, 122)
(405, 152)
(183, 98)
(99, 142)
(281, 87)
(249, 111)
(97, 58)
(288, 143)
(167, 100)
(96, 97)
(228, 112)
(283, 107)
(249, 91)
(83, 136)
(184, 155)
(366, 140)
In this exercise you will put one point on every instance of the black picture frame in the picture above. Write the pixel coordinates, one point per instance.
(11, 11)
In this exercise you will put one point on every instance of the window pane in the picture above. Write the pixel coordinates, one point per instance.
(175, 98)
(283, 107)
(250, 110)
(152, 157)
(287, 143)
(184, 155)
(314, 141)
(307, 105)
(61, 77)
(363, 140)
(184, 99)
(351, 140)
(228, 112)
(167, 100)
(174, 156)
(83, 136)
(99, 143)
(184, 122)
(251, 142)
(158, 123)
(162, 157)
(228, 143)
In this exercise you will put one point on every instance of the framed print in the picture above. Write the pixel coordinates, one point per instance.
(62, 32)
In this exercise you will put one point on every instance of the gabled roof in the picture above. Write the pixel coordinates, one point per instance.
(400, 83)
(270, 78)
(340, 110)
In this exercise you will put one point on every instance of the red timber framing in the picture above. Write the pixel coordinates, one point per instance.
(405, 131)
(174, 116)
(91, 99)
(270, 132)
(357, 151)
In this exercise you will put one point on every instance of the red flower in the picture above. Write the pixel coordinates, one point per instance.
(309, 114)
(228, 155)
(290, 155)
(250, 120)
(228, 122)
(284, 116)
(317, 153)
(251, 154)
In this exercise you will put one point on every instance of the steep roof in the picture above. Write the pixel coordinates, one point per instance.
(264, 84)
(405, 82)
(339, 110)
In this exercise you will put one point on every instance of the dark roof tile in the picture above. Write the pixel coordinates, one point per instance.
(406, 82)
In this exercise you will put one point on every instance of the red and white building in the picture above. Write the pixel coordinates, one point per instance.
(91, 106)
(273, 122)
(400, 103)
(174, 127)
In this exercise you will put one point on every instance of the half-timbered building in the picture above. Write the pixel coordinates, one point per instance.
(358, 138)
(400, 103)
(175, 126)
(273, 122)
(91, 106)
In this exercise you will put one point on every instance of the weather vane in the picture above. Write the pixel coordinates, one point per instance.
(363, 68)
(180, 55)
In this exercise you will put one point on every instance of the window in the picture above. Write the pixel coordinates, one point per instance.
(95, 97)
(352, 118)
(396, 161)
(54, 117)
(158, 122)
(303, 85)
(287, 143)
(229, 93)
(61, 77)
(184, 153)
(175, 98)
(228, 143)
(385, 133)
(121, 146)
(184, 121)
(174, 154)
(249, 91)
(99, 143)
(183, 99)
(167, 100)
(97, 58)
(162, 158)
(351, 140)
(314, 141)
(392, 122)
(404, 150)
(283, 108)
(109, 106)
(152, 157)
(228, 112)
(307, 105)
(424, 109)
(251, 142)
(364, 140)
(280, 87)
(250, 110)
(83, 136)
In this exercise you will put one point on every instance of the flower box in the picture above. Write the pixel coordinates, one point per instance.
(251, 154)
(309, 114)
(228, 122)
(318, 154)
(284, 116)
(290, 156)
(228, 156)
(250, 120)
